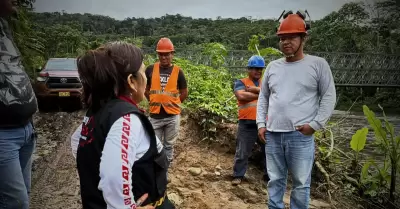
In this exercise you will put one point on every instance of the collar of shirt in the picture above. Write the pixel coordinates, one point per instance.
(128, 99)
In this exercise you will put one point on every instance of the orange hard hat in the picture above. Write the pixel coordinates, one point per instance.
(165, 45)
(293, 23)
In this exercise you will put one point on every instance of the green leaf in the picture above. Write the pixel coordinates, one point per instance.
(359, 139)
(389, 126)
(364, 171)
(397, 139)
(376, 124)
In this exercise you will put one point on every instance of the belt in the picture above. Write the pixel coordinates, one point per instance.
(18, 125)
(158, 202)
(21, 124)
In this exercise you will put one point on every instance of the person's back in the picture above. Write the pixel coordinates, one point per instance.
(96, 160)
(17, 106)
(120, 161)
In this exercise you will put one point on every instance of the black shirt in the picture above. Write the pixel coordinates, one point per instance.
(165, 73)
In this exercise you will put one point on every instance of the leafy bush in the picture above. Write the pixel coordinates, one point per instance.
(210, 89)
(217, 53)
(211, 99)
(375, 178)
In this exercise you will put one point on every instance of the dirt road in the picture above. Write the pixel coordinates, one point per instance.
(55, 183)
(200, 175)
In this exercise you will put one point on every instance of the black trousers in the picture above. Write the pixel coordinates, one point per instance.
(167, 204)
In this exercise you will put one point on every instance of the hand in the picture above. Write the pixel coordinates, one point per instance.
(261, 135)
(146, 207)
(141, 200)
(305, 129)
(253, 89)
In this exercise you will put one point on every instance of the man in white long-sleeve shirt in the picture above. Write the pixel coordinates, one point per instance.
(298, 94)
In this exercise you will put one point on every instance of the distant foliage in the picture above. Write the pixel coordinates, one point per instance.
(356, 27)
(30, 42)
(216, 52)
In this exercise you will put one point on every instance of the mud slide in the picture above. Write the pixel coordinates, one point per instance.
(199, 177)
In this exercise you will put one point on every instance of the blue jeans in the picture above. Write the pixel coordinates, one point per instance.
(293, 152)
(16, 148)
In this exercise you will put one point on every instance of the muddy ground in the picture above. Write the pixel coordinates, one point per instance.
(54, 182)
(200, 175)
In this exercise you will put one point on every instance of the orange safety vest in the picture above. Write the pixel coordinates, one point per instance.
(248, 110)
(169, 98)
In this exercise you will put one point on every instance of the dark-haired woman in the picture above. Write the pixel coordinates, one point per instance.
(120, 161)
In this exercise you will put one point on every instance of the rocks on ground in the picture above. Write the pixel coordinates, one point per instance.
(200, 177)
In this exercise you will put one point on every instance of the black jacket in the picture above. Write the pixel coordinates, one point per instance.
(17, 99)
(148, 173)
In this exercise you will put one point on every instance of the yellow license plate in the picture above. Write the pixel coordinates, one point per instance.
(63, 94)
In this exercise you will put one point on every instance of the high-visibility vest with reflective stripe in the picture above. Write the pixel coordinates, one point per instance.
(248, 110)
(169, 98)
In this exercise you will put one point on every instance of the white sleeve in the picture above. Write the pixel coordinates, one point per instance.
(117, 159)
(75, 140)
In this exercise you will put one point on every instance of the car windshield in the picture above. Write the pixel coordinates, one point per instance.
(61, 64)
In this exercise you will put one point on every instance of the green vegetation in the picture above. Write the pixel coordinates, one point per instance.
(366, 176)
(354, 28)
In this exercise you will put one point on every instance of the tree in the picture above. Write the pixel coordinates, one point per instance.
(63, 40)
(29, 41)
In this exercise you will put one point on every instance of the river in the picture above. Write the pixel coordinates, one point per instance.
(350, 123)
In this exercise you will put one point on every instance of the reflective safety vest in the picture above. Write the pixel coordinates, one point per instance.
(169, 97)
(248, 110)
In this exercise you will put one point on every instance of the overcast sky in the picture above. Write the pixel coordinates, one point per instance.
(121, 9)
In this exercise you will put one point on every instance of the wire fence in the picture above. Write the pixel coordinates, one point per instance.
(348, 69)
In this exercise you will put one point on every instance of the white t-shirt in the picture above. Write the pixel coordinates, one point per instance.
(111, 178)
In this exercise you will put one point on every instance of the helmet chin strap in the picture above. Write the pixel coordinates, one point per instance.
(294, 54)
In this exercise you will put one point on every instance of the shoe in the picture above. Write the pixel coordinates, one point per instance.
(236, 181)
